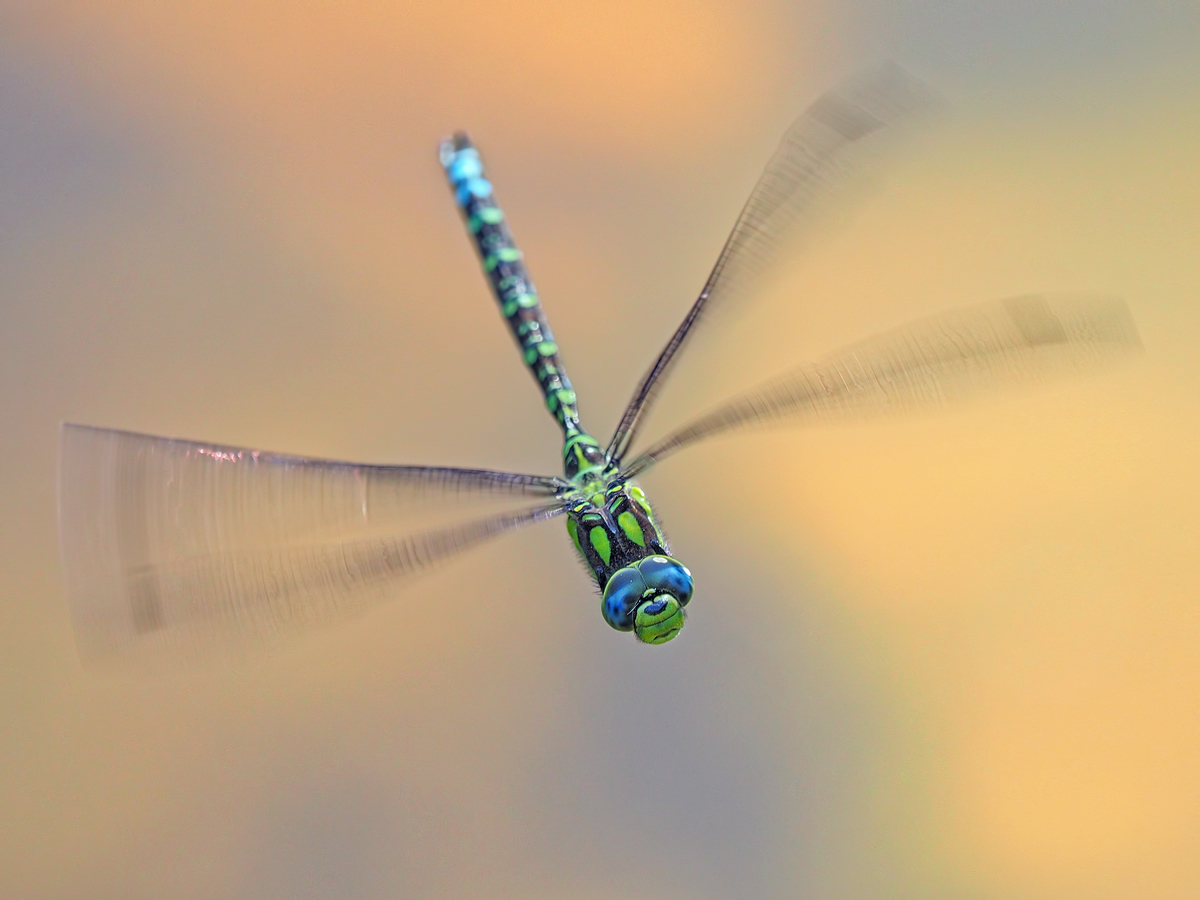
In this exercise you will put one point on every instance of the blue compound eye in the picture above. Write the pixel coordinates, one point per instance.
(668, 576)
(622, 594)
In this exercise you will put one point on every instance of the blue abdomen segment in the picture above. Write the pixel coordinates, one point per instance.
(510, 282)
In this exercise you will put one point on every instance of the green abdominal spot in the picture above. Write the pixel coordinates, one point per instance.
(563, 396)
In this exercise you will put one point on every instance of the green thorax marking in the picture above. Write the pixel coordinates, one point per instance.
(633, 531)
(598, 538)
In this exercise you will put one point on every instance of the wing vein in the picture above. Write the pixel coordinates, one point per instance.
(953, 355)
(813, 159)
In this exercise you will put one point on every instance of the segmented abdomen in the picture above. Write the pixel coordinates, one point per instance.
(510, 282)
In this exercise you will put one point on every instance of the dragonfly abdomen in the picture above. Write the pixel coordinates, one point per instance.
(509, 280)
(519, 303)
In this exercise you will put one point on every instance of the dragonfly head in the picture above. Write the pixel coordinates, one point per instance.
(648, 598)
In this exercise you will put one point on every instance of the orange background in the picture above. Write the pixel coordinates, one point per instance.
(954, 656)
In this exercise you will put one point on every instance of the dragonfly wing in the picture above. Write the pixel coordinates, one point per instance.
(187, 546)
(954, 355)
(834, 138)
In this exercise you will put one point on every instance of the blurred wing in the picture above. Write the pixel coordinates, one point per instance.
(179, 545)
(830, 141)
(950, 356)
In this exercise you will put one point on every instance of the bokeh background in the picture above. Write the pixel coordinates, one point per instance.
(951, 657)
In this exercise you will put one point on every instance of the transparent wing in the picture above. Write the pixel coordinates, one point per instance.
(182, 547)
(834, 138)
(949, 356)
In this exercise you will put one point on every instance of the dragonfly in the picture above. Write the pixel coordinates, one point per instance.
(179, 544)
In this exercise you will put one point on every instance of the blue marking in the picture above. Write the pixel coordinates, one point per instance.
(466, 165)
(653, 609)
(472, 187)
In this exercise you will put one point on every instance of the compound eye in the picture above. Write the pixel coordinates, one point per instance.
(622, 594)
(668, 576)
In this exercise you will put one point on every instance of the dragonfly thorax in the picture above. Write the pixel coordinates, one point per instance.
(612, 526)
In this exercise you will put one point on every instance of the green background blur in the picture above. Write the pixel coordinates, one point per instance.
(951, 657)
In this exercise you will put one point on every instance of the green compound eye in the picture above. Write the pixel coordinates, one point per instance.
(658, 620)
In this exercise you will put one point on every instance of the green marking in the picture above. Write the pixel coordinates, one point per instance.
(552, 401)
(491, 214)
(547, 348)
(508, 254)
(573, 530)
(490, 263)
(530, 356)
(474, 224)
(632, 529)
(599, 539)
(660, 628)
(521, 301)
(640, 497)
(569, 445)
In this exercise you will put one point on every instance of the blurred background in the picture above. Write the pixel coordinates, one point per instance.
(947, 657)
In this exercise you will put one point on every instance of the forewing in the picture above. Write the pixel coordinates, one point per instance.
(836, 137)
(178, 548)
(951, 356)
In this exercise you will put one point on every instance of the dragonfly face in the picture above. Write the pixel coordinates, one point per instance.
(648, 598)
(615, 530)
